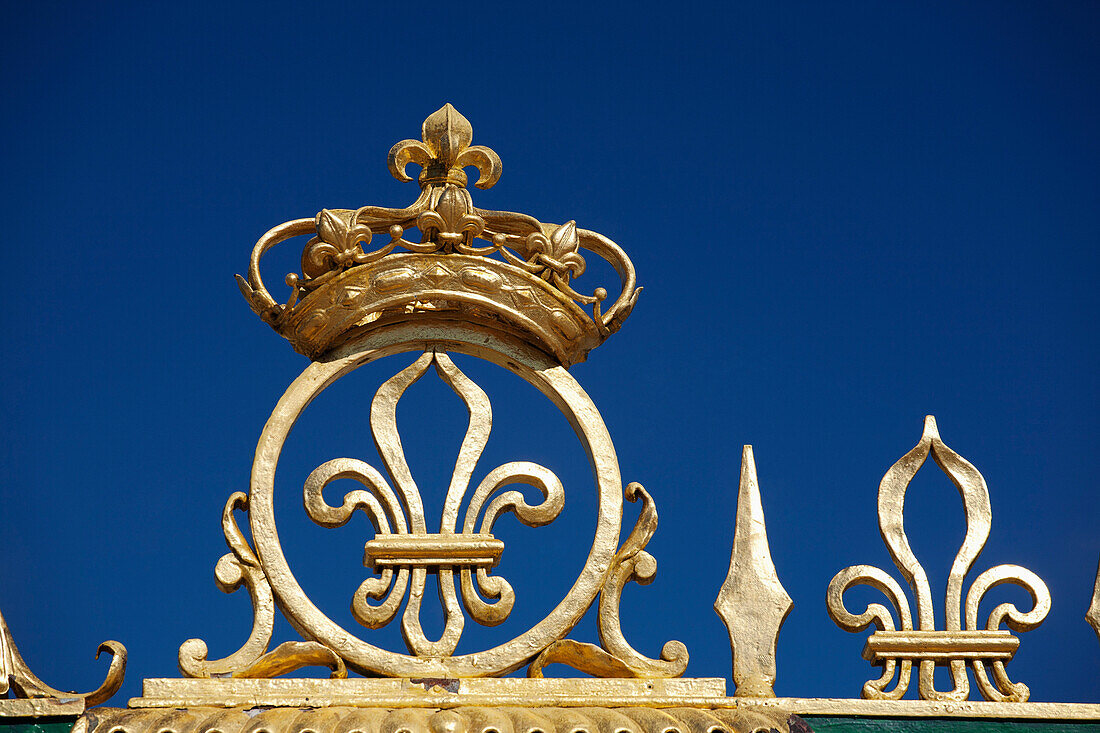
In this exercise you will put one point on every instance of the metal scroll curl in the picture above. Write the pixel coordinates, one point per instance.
(615, 657)
(880, 617)
(16, 677)
(242, 567)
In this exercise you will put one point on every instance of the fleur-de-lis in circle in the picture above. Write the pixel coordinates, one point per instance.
(403, 552)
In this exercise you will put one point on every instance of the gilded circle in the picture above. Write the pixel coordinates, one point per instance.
(536, 368)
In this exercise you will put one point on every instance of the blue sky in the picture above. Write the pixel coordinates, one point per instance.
(845, 216)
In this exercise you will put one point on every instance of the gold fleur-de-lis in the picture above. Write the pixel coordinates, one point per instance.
(404, 552)
(444, 151)
(961, 641)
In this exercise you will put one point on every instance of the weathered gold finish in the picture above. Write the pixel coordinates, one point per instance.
(346, 288)
(1093, 614)
(405, 557)
(633, 563)
(752, 603)
(942, 646)
(489, 718)
(617, 658)
(242, 567)
(957, 644)
(445, 295)
(536, 694)
(405, 515)
(291, 656)
(426, 692)
(33, 697)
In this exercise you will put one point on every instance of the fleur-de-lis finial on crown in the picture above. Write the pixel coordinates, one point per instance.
(444, 151)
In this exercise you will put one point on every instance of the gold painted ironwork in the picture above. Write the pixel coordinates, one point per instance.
(32, 696)
(491, 718)
(404, 552)
(430, 692)
(510, 302)
(161, 696)
(242, 567)
(897, 649)
(1093, 614)
(520, 278)
(752, 602)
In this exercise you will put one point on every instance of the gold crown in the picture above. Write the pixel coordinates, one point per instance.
(518, 282)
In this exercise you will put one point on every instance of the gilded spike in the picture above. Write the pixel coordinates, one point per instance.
(752, 603)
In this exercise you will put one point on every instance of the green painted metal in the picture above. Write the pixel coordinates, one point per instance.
(37, 725)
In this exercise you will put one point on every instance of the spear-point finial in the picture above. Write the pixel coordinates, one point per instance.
(752, 603)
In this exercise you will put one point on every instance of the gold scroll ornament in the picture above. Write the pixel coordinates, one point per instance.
(404, 553)
(33, 697)
(962, 641)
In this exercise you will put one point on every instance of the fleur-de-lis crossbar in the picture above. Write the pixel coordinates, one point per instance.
(898, 647)
(403, 552)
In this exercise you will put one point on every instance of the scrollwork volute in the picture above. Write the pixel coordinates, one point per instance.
(17, 679)
(242, 567)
